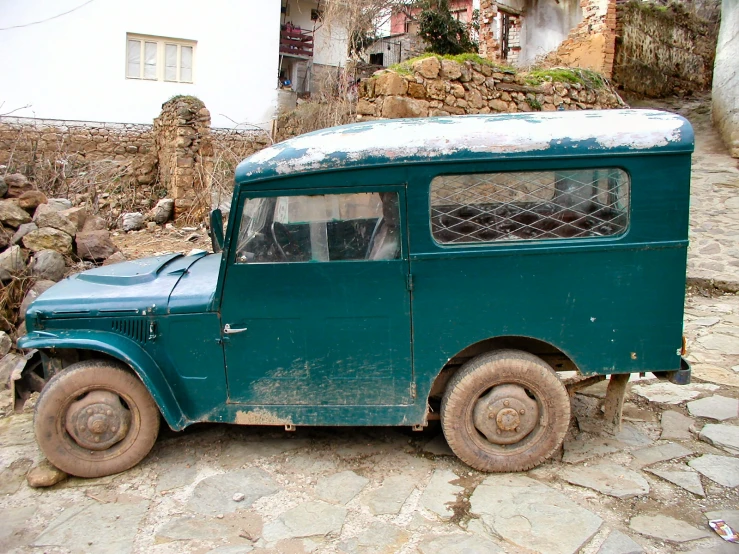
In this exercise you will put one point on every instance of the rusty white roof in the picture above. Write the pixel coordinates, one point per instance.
(400, 141)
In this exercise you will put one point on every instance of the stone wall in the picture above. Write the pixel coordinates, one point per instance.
(444, 87)
(33, 146)
(590, 45)
(573, 33)
(726, 77)
(663, 50)
(185, 153)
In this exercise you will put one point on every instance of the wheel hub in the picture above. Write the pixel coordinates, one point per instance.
(98, 420)
(506, 414)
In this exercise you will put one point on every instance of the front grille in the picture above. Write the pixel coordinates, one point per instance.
(136, 328)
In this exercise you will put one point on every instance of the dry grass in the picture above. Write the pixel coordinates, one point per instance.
(12, 294)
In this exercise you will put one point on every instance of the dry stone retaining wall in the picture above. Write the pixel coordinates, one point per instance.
(662, 51)
(26, 143)
(446, 87)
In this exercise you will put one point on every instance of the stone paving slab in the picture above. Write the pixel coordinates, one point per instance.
(389, 497)
(666, 528)
(610, 479)
(669, 393)
(722, 435)
(310, 519)
(716, 407)
(458, 543)
(341, 487)
(676, 426)
(688, 480)
(531, 515)
(95, 528)
(380, 537)
(722, 469)
(439, 493)
(619, 543)
(214, 495)
(659, 453)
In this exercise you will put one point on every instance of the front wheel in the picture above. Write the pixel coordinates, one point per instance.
(505, 411)
(95, 419)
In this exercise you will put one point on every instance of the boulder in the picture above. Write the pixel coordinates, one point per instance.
(45, 475)
(401, 106)
(12, 262)
(94, 223)
(133, 221)
(78, 216)
(48, 238)
(450, 70)
(427, 67)
(17, 184)
(12, 215)
(5, 237)
(391, 84)
(48, 264)
(47, 216)
(3, 188)
(31, 199)
(59, 204)
(22, 231)
(38, 288)
(5, 344)
(95, 245)
(115, 258)
(162, 212)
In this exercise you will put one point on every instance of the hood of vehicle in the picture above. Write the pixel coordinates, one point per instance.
(126, 288)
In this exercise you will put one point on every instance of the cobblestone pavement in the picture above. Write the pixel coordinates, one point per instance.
(227, 490)
(713, 256)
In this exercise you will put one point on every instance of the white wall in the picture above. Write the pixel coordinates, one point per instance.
(726, 77)
(545, 25)
(73, 67)
(330, 42)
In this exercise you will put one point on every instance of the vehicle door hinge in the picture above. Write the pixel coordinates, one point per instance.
(409, 282)
(413, 390)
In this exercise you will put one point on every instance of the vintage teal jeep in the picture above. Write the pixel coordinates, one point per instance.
(388, 273)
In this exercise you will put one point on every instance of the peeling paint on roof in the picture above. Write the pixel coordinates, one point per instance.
(471, 137)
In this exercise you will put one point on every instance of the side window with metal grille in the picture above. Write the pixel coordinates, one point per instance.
(529, 205)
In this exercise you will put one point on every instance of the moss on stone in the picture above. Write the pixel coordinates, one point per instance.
(187, 98)
(406, 67)
(586, 77)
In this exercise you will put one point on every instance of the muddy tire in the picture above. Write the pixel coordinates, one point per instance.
(95, 419)
(505, 411)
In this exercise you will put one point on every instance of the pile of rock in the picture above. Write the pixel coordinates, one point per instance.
(158, 215)
(439, 87)
(40, 238)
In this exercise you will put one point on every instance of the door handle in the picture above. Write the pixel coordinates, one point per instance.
(228, 331)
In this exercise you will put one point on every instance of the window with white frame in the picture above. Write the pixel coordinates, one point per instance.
(159, 59)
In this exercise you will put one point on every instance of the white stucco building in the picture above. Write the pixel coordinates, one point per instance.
(108, 61)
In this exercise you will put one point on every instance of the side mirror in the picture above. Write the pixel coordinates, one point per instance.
(216, 230)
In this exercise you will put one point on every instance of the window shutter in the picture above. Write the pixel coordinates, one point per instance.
(133, 67)
(150, 60)
(170, 62)
(186, 64)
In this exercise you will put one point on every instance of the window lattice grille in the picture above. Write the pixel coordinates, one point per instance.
(485, 207)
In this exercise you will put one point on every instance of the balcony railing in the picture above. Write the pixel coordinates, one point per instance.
(296, 42)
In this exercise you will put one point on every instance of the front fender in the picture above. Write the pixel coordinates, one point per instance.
(123, 349)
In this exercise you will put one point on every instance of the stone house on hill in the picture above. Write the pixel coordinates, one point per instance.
(119, 61)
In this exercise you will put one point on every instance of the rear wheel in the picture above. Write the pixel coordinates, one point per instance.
(95, 419)
(505, 411)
